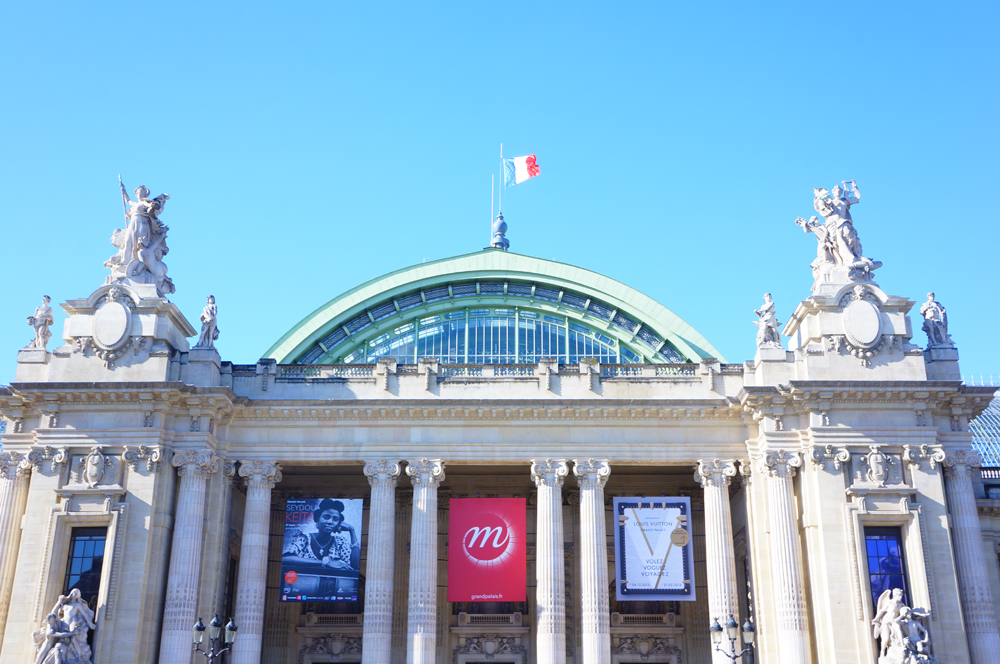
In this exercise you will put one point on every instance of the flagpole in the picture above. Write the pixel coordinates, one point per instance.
(492, 188)
(500, 207)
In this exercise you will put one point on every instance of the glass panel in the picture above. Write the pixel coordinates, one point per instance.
(86, 560)
(886, 566)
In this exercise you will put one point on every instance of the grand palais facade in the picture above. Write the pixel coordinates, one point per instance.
(146, 482)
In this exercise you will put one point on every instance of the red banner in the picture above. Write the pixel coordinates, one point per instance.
(487, 552)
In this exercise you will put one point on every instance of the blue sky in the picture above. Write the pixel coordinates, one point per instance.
(309, 147)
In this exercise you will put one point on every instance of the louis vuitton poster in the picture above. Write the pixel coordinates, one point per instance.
(654, 558)
(321, 552)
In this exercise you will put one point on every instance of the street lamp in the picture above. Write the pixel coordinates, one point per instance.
(731, 632)
(214, 628)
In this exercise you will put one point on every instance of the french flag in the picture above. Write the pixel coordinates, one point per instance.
(519, 169)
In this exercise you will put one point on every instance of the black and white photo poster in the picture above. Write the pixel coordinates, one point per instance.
(321, 552)
(654, 560)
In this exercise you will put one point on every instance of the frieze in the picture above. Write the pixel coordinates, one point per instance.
(333, 647)
(489, 646)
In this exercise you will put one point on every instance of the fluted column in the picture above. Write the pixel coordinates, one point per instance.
(550, 591)
(789, 593)
(251, 585)
(720, 556)
(973, 574)
(421, 627)
(377, 640)
(591, 476)
(194, 467)
(15, 472)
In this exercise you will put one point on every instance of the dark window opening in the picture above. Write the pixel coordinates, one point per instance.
(886, 563)
(86, 559)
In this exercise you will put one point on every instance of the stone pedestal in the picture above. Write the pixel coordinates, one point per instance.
(180, 606)
(550, 597)
(15, 472)
(720, 556)
(203, 367)
(591, 476)
(251, 585)
(377, 637)
(788, 590)
(421, 631)
(973, 574)
(942, 363)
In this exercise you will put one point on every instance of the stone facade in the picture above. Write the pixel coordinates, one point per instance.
(789, 459)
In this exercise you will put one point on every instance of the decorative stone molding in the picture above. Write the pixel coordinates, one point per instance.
(13, 465)
(260, 473)
(195, 462)
(18, 425)
(913, 456)
(229, 474)
(57, 457)
(715, 472)
(151, 455)
(961, 463)
(590, 474)
(489, 646)
(93, 467)
(425, 472)
(334, 648)
(382, 472)
(646, 645)
(779, 464)
(820, 456)
(549, 472)
(116, 562)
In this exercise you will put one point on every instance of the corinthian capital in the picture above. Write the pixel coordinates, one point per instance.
(13, 465)
(425, 472)
(382, 472)
(259, 473)
(715, 472)
(961, 462)
(200, 463)
(549, 472)
(779, 464)
(592, 473)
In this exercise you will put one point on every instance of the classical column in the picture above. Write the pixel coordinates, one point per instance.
(194, 467)
(377, 641)
(720, 557)
(789, 594)
(550, 591)
(251, 585)
(973, 574)
(591, 476)
(15, 471)
(421, 627)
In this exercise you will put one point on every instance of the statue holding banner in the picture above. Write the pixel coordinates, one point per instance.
(839, 248)
(142, 244)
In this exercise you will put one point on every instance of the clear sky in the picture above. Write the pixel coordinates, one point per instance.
(311, 146)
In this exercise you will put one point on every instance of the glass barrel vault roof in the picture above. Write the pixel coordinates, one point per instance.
(492, 307)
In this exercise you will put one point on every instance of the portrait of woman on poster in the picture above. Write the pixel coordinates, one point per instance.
(335, 543)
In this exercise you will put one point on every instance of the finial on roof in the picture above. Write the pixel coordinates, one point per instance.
(499, 232)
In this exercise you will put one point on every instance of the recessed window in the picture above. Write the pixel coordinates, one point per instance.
(886, 563)
(85, 562)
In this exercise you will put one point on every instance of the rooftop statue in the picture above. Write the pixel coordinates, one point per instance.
(904, 640)
(767, 325)
(142, 244)
(839, 246)
(936, 323)
(209, 325)
(40, 322)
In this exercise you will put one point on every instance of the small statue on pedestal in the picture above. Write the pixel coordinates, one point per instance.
(767, 332)
(839, 245)
(936, 323)
(209, 325)
(903, 639)
(41, 321)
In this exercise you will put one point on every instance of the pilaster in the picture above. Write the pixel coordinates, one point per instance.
(15, 473)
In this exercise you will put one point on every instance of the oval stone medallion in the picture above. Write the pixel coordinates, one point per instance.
(111, 324)
(863, 323)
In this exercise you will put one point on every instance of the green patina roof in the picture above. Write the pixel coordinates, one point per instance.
(495, 265)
